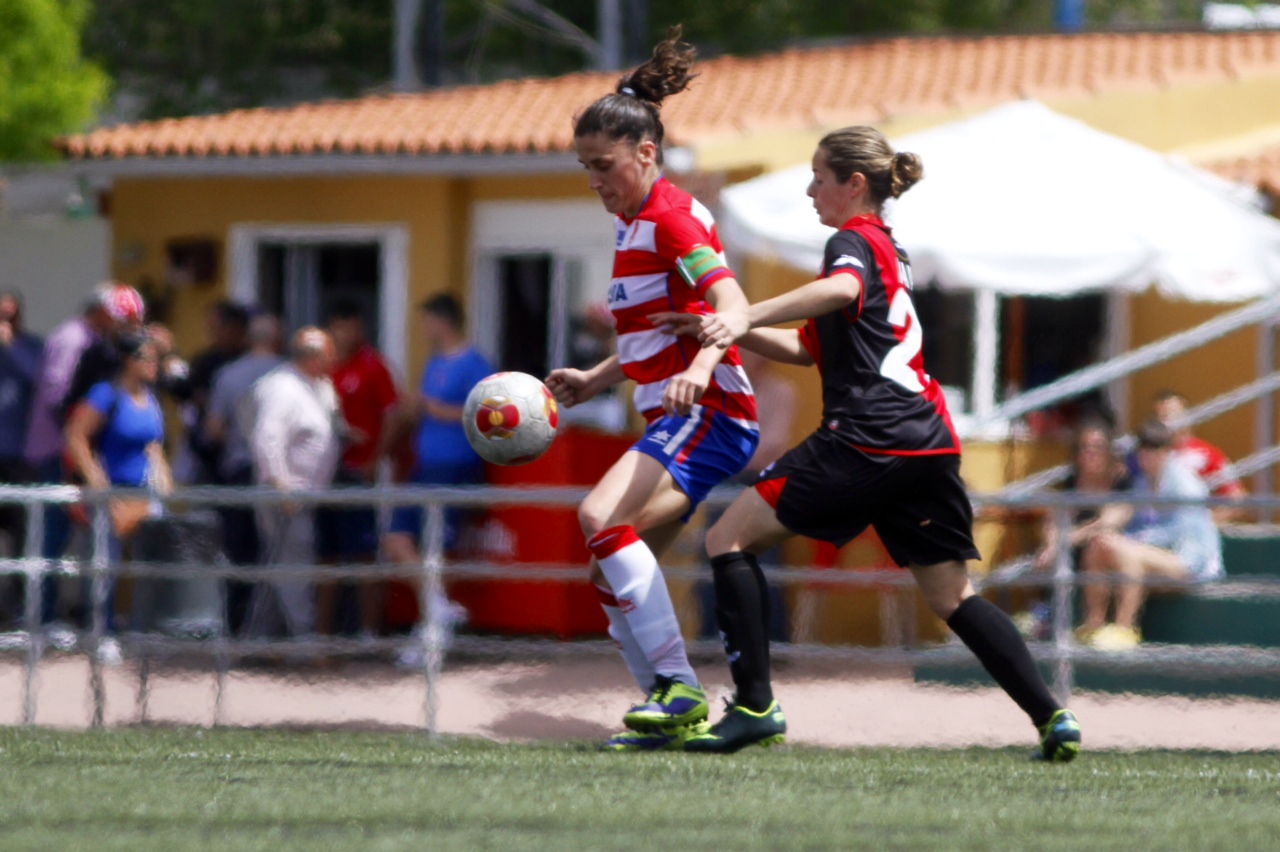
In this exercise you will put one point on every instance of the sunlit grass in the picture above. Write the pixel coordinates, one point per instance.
(246, 789)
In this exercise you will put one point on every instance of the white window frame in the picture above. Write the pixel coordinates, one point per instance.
(566, 231)
(244, 286)
(988, 338)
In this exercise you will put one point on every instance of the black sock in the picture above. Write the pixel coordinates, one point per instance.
(742, 613)
(1000, 648)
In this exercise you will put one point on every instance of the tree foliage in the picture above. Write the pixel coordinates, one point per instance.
(46, 86)
(179, 57)
(193, 56)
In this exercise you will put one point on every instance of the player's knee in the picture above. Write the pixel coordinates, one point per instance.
(943, 602)
(592, 517)
(943, 586)
(722, 539)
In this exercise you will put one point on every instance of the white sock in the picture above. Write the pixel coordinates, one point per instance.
(632, 654)
(631, 569)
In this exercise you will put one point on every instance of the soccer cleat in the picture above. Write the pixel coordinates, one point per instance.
(673, 739)
(1059, 738)
(671, 704)
(740, 728)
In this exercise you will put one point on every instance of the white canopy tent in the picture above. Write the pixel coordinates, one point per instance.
(1024, 201)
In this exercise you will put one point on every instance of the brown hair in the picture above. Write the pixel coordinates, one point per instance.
(864, 149)
(1090, 424)
(1154, 435)
(631, 111)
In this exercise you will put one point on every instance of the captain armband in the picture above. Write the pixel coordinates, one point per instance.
(702, 267)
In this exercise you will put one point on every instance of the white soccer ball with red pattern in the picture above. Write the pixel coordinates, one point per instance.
(510, 418)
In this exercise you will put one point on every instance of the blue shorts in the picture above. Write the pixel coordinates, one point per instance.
(407, 520)
(346, 532)
(699, 451)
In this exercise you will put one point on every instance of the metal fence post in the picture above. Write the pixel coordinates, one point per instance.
(34, 571)
(1063, 583)
(221, 659)
(99, 574)
(430, 595)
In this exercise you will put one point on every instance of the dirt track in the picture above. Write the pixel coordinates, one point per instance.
(583, 698)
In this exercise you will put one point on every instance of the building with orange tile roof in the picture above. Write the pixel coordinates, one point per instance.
(476, 190)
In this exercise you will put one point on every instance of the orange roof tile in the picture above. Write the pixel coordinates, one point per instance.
(1261, 170)
(794, 89)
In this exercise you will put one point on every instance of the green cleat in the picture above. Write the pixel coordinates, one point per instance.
(672, 740)
(740, 728)
(671, 704)
(1059, 738)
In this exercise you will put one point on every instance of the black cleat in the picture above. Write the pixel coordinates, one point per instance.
(740, 728)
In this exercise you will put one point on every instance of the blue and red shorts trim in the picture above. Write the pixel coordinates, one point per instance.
(699, 451)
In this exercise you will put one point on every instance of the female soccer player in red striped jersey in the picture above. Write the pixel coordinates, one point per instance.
(884, 455)
(696, 401)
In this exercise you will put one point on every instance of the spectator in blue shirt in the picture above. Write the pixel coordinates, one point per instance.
(1180, 544)
(20, 354)
(444, 456)
(117, 439)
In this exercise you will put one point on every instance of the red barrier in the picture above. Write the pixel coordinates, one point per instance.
(529, 535)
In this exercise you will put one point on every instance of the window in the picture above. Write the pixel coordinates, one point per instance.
(1044, 339)
(299, 271)
(300, 282)
(947, 320)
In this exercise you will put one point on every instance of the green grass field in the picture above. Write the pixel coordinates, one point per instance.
(251, 789)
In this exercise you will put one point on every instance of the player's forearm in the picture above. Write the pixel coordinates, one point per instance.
(777, 344)
(607, 373)
(707, 359)
(813, 299)
(726, 297)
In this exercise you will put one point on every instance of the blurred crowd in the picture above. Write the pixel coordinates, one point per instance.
(1126, 550)
(105, 401)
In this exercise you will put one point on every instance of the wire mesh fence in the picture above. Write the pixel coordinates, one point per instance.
(209, 644)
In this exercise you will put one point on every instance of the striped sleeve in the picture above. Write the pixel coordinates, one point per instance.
(694, 250)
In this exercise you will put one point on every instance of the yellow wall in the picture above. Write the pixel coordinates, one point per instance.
(436, 210)
(1196, 120)
(146, 213)
(1198, 375)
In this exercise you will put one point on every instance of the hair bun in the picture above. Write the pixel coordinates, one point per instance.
(907, 170)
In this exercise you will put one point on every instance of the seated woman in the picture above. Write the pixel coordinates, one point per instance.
(1175, 543)
(1095, 469)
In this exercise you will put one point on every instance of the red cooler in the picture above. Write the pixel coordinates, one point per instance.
(540, 536)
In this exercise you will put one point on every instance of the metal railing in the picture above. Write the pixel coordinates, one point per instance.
(434, 633)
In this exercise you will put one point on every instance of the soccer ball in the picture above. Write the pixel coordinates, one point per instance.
(510, 418)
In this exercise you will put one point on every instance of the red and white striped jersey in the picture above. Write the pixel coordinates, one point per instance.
(666, 259)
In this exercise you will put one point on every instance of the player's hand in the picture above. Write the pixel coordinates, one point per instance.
(6, 333)
(570, 387)
(719, 330)
(676, 322)
(722, 330)
(685, 390)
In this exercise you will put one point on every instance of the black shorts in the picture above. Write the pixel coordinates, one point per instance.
(829, 490)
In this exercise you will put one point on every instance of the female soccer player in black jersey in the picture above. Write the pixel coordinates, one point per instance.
(885, 455)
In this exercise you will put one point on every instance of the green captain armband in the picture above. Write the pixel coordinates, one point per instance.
(699, 265)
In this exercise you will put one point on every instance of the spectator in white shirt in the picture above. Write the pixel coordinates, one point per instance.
(296, 437)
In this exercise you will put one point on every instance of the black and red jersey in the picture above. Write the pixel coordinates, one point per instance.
(875, 392)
